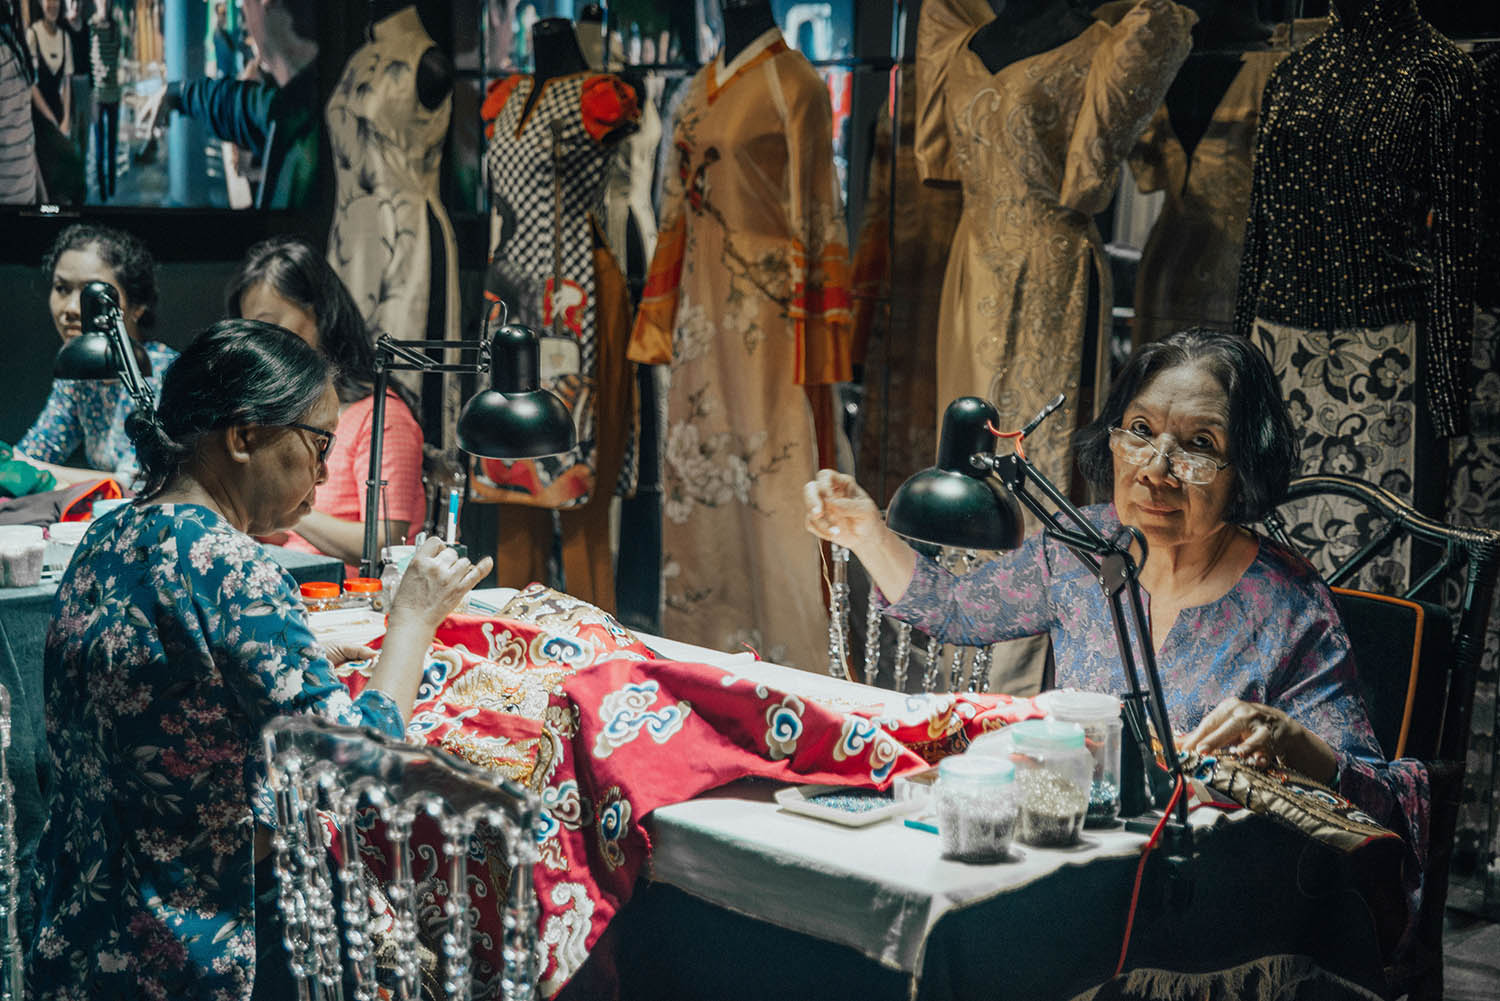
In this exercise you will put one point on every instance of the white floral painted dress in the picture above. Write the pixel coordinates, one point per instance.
(174, 639)
(748, 300)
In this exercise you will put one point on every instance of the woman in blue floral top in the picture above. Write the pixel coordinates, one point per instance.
(174, 639)
(1194, 443)
(87, 412)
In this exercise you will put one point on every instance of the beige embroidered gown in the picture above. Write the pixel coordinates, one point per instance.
(748, 299)
(387, 154)
(1036, 148)
(1191, 262)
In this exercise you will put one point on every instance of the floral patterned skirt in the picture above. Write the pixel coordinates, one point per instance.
(1352, 396)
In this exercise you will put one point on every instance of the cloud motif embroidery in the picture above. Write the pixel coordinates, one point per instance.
(784, 721)
(625, 713)
(858, 734)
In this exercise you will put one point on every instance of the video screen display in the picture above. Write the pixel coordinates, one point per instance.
(158, 103)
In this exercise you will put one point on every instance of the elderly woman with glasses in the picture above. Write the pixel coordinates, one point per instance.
(174, 640)
(1193, 445)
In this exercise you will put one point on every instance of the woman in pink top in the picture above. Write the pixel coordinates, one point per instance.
(285, 281)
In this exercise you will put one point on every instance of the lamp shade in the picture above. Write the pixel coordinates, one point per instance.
(89, 355)
(515, 418)
(953, 504)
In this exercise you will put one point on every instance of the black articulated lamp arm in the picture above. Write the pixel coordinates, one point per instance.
(392, 355)
(513, 419)
(1118, 575)
(104, 350)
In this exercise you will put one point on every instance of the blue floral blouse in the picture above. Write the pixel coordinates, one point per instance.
(93, 413)
(174, 639)
(1274, 638)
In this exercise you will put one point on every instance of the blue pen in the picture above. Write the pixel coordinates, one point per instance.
(452, 516)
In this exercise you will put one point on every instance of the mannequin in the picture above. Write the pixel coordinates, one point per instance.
(391, 240)
(744, 22)
(1024, 28)
(552, 136)
(1390, 223)
(434, 70)
(747, 299)
(1200, 85)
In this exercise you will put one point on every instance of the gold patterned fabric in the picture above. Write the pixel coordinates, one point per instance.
(748, 299)
(1191, 260)
(1036, 148)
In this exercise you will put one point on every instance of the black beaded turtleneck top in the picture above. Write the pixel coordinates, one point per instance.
(1365, 192)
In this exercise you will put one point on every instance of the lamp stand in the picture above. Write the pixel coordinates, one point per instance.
(392, 355)
(1119, 578)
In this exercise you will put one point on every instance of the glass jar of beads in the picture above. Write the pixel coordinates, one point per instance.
(1099, 715)
(320, 595)
(362, 593)
(1053, 774)
(976, 807)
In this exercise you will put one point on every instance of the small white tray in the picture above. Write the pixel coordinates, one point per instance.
(848, 807)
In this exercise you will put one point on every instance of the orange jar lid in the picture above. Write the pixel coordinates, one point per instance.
(319, 589)
(362, 585)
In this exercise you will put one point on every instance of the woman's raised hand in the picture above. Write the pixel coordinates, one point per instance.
(839, 510)
(436, 580)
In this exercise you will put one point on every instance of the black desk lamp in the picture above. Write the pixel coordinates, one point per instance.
(956, 503)
(104, 349)
(513, 419)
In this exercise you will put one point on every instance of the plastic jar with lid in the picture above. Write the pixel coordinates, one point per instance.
(362, 592)
(320, 595)
(1099, 715)
(976, 807)
(1053, 774)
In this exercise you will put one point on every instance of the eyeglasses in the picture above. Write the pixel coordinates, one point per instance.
(325, 439)
(1184, 466)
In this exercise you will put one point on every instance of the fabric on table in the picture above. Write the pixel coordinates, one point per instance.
(1037, 149)
(91, 413)
(1273, 638)
(174, 640)
(342, 495)
(605, 735)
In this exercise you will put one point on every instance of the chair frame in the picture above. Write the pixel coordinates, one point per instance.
(1478, 550)
(12, 978)
(461, 798)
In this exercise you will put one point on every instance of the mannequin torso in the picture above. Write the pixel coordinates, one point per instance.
(1024, 28)
(744, 22)
(434, 71)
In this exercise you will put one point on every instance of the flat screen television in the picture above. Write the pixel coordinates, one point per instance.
(191, 104)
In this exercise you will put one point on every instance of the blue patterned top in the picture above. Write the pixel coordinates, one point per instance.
(174, 639)
(93, 412)
(1274, 638)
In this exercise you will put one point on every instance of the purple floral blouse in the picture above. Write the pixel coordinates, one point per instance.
(174, 639)
(1275, 638)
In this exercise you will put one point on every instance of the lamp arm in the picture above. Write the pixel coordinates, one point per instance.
(130, 370)
(377, 440)
(1119, 579)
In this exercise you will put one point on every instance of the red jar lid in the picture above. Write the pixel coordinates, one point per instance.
(362, 585)
(319, 589)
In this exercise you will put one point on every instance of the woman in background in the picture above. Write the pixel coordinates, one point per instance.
(285, 281)
(92, 413)
(52, 54)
